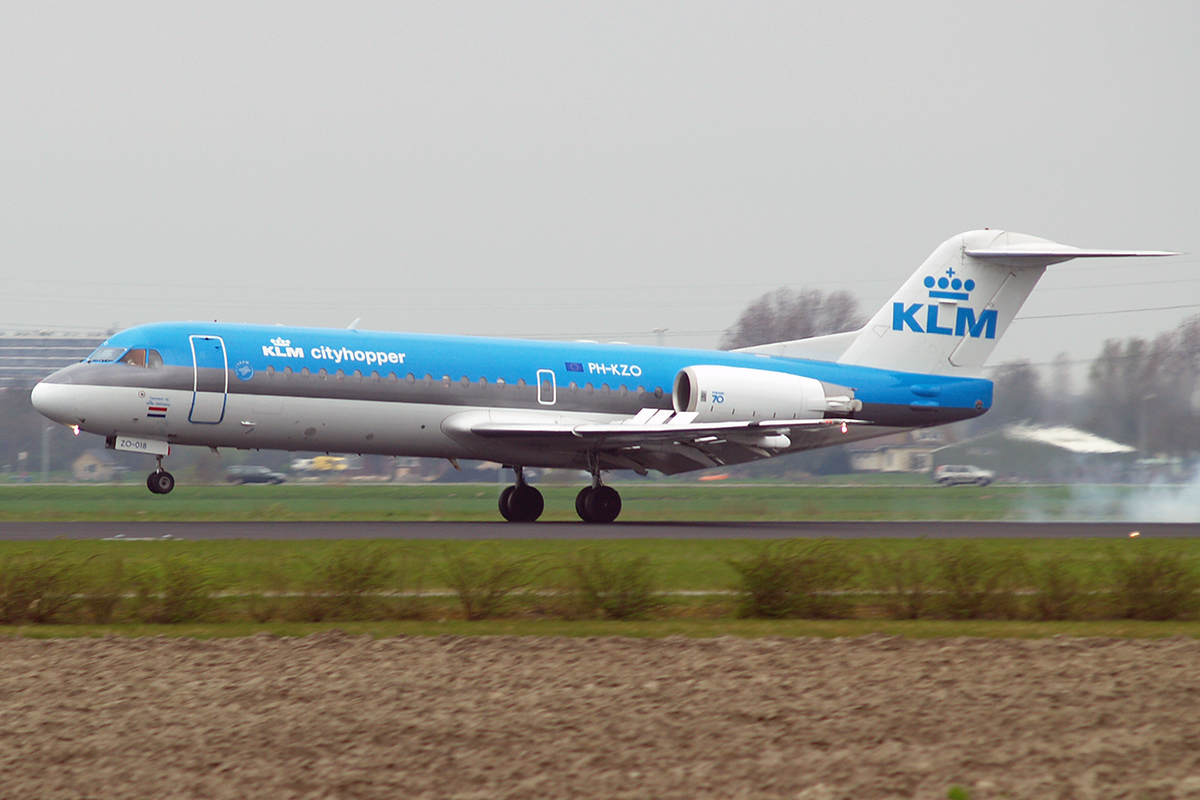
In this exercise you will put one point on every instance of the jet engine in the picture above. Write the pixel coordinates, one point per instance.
(739, 394)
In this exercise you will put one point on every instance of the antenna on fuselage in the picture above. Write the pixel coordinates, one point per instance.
(353, 326)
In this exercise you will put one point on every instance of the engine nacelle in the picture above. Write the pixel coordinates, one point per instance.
(729, 394)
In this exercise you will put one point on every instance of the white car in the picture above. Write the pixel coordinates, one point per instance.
(952, 474)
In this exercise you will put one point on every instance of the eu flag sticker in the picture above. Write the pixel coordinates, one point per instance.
(574, 366)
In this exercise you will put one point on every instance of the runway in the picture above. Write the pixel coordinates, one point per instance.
(466, 531)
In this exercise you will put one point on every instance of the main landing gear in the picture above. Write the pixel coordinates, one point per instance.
(521, 502)
(596, 503)
(160, 481)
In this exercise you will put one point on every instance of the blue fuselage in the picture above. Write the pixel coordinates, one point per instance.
(293, 388)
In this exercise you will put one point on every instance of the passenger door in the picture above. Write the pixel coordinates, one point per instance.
(210, 379)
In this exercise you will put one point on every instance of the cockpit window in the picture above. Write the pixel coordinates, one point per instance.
(140, 357)
(106, 354)
(135, 358)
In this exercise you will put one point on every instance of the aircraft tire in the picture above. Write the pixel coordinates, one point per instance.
(161, 482)
(602, 505)
(522, 504)
(504, 498)
(581, 501)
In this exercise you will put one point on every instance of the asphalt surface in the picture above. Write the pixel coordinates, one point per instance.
(45, 531)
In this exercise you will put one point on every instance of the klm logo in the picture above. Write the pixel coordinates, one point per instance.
(964, 323)
(282, 348)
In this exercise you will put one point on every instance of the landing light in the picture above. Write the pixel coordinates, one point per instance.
(844, 427)
(75, 429)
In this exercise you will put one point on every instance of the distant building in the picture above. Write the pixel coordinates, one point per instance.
(911, 451)
(28, 356)
(1058, 454)
(96, 465)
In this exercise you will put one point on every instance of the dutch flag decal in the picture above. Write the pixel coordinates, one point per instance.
(156, 411)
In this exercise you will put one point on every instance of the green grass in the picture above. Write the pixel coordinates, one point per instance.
(236, 577)
(643, 502)
(682, 626)
(703, 567)
(680, 564)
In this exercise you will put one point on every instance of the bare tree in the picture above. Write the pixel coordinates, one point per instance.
(784, 315)
(1017, 395)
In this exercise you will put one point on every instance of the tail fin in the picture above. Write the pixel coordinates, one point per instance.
(948, 317)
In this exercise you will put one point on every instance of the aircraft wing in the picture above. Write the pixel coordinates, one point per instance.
(663, 439)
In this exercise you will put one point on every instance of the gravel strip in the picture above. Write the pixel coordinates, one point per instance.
(332, 715)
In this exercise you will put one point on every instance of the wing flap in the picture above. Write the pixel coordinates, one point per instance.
(662, 440)
(673, 428)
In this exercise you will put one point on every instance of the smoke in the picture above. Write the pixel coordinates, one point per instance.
(1153, 502)
(1164, 503)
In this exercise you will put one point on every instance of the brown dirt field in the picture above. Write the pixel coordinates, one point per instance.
(332, 715)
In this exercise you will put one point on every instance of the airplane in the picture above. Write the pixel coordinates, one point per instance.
(577, 405)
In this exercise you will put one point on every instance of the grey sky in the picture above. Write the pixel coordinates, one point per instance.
(586, 170)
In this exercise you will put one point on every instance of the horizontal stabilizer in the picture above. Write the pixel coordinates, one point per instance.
(1041, 254)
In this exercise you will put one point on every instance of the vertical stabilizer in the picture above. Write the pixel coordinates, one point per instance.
(950, 314)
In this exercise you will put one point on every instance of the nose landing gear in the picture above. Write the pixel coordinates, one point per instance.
(160, 481)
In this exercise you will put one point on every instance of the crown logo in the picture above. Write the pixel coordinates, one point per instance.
(949, 287)
(281, 342)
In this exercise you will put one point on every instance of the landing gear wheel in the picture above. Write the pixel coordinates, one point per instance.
(601, 504)
(521, 503)
(581, 501)
(504, 497)
(160, 482)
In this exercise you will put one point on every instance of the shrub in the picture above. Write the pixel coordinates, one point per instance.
(276, 602)
(346, 585)
(1058, 591)
(484, 585)
(617, 588)
(408, 581)
(102, 587)
(34, 588)
(1154, 586)
(904, 582)
(176, 590)
(972, 585)
(795, 579)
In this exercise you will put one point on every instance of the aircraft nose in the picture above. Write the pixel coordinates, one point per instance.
(56, 401)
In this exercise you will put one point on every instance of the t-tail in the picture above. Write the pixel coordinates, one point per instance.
(949, 316)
